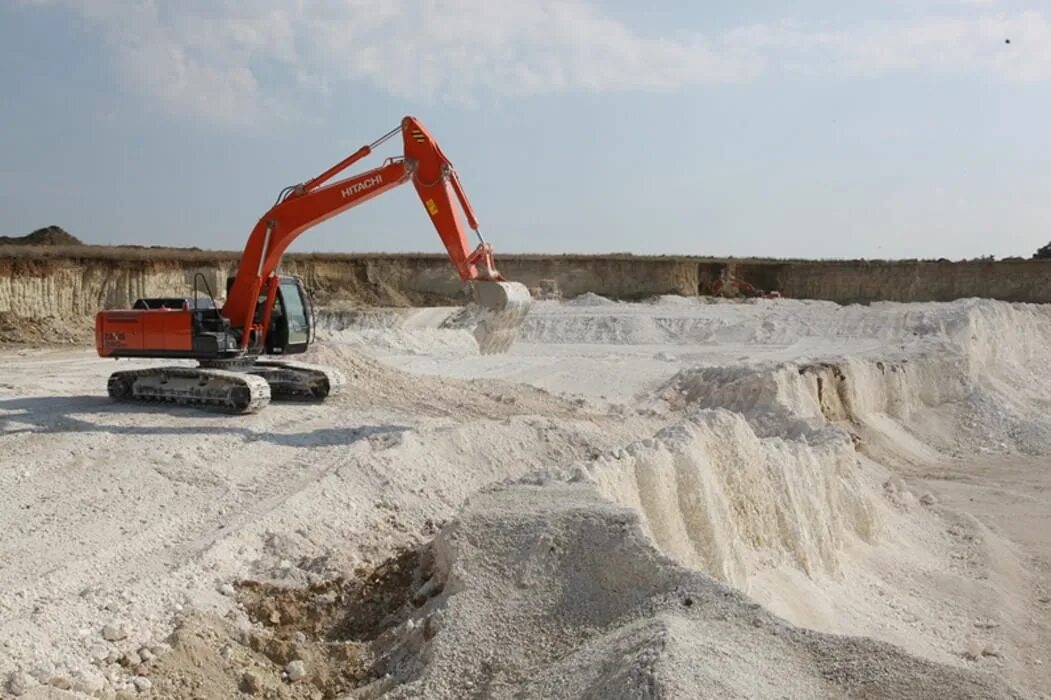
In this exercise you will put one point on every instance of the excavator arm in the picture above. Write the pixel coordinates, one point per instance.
(502, 305)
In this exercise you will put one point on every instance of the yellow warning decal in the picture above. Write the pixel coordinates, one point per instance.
(418, 135)
(431, 207)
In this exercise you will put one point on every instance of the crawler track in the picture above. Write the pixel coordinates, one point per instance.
(229, 391)
(298, 380)
(214, 389)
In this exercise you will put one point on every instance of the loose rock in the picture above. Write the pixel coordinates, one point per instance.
(991, 649)
(160, 649)
(130, 659)
(88, 683)
(17, 683)
(296, 670)
(250, 683)
(60, 682)
(973, 650)
(113, 633)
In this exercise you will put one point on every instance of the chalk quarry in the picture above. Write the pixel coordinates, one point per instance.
(672, 498)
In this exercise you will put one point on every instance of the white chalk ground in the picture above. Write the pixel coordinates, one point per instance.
(879, 471)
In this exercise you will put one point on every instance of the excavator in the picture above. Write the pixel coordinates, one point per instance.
(240, 347)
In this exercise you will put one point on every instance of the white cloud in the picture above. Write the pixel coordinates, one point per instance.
(973, 45)
(188, 62)
(976, 44)
(455, 49)
(207, 58)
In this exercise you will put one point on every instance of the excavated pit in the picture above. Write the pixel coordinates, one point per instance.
(331, 627)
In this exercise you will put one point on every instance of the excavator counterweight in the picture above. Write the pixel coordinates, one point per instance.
(240, 346)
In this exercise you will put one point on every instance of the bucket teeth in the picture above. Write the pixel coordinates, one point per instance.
(502, 307)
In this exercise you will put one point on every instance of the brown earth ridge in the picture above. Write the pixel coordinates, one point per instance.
(67, 284)
(50, 291)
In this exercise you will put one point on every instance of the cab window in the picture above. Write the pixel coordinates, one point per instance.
(296, 313)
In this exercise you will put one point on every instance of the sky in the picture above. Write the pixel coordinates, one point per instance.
(802, 128)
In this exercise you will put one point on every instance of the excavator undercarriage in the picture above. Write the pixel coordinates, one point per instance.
(246, 389)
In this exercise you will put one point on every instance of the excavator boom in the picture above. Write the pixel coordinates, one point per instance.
(266, 314)
(501, 305)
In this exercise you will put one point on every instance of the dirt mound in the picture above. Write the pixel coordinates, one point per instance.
(49, 235)
(590, 299)
(39, 332)
(553, 592)
(535, 591)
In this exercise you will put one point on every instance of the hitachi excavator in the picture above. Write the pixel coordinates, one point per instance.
(239, 347)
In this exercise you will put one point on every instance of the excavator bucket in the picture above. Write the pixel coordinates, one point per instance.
(502, 307)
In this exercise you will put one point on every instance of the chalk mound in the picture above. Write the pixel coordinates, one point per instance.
(417, 331)
(590, 299)
(371, 384)
(718, 497)
(535, 590)
(673, 300)
(590, 319)
(550, 592)
(975, 382)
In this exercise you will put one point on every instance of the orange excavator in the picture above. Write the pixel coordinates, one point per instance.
(239, 348)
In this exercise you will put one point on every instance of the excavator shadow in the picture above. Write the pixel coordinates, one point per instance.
(69, 414)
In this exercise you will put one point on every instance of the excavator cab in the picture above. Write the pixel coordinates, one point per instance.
(290, 321)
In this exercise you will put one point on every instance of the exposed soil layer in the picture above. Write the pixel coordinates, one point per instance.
(38, 332)
(72, 282)
(326, 627)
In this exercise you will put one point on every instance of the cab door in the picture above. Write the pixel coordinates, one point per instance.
(290, 322)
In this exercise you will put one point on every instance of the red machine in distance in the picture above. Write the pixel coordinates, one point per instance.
(269, 314)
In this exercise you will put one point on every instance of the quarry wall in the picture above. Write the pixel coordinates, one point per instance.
(73, 283)
(860, 281)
